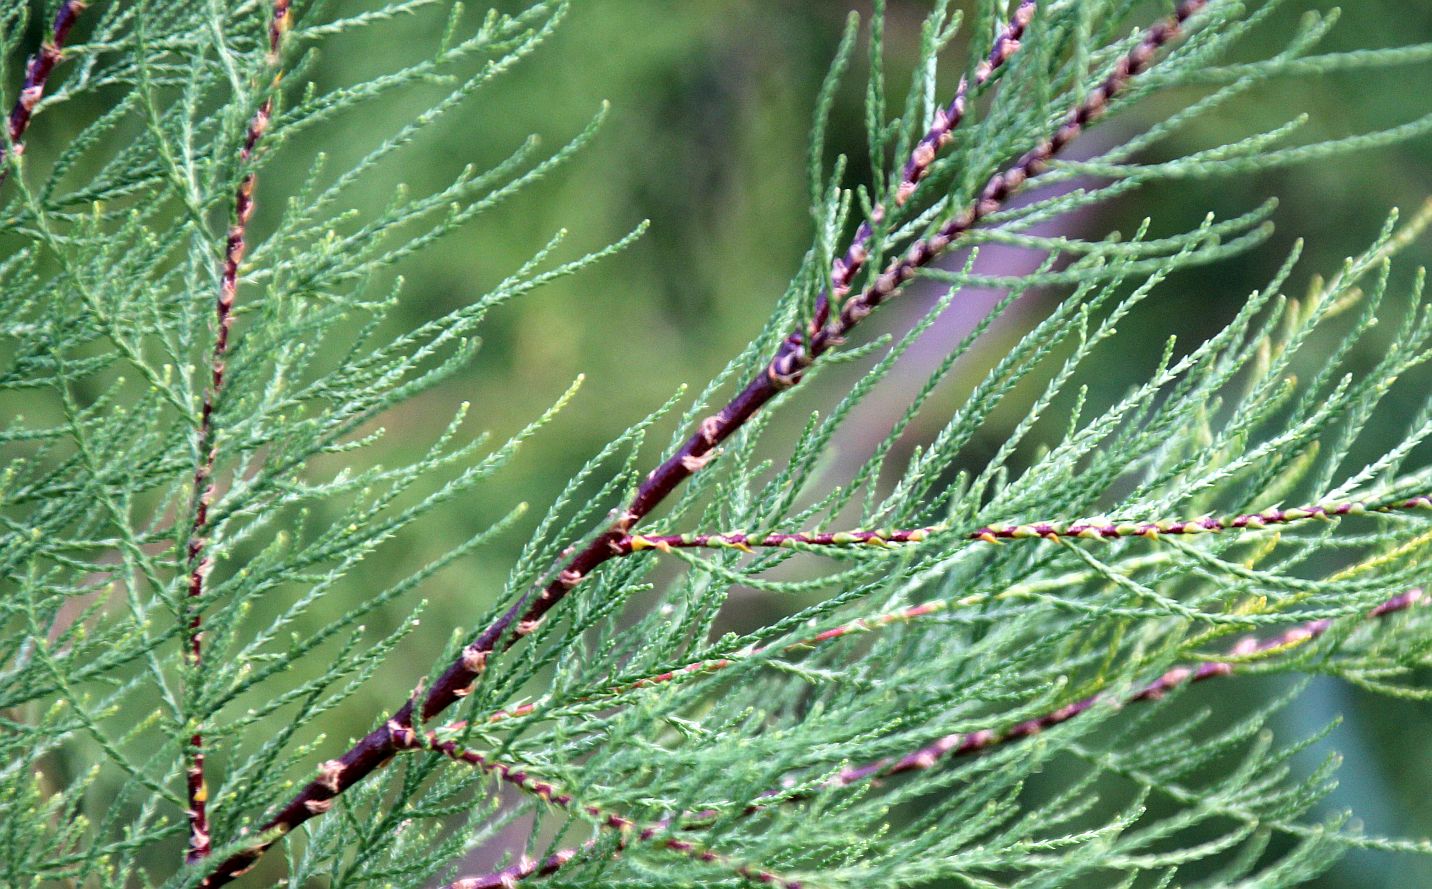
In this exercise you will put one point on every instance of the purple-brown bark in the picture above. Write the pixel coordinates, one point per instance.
(199, 561)
(37, 74)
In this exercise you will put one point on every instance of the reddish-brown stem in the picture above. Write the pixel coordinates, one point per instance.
(1085, 529)
(786, 369)
(969, 743)
(626, 829)
(201, 562)
(796, 355)
(37, 74)
(976, 742)
(941, 133)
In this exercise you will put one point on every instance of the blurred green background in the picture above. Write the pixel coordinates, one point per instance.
(711, 111)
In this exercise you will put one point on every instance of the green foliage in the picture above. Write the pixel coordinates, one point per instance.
(961, 689)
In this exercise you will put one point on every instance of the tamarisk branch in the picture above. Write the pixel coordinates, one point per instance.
(785, 370)
(1246, 649)
(1085, 529)
(959, 744)
(200, 562)
(788, 367)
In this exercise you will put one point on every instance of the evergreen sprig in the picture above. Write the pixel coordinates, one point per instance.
(948, 698)
(960, 744)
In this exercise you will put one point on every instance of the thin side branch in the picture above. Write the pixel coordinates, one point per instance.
(974, 743)
(1085, 529)
(785, 370)
(37, 74)
(937, 138)
(1246, 649)
(796, 355)
(200, 561)
(628, 831)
